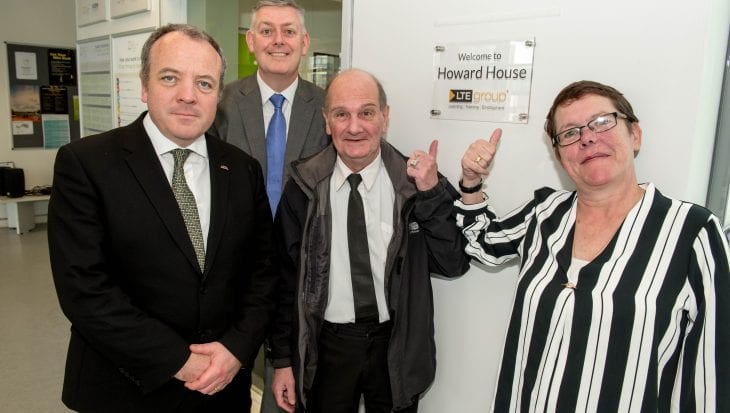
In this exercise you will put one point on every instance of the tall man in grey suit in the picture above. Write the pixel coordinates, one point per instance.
(278, 38)
(161, 248)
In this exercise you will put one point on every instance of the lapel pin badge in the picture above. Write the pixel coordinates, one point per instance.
(224, 167)
(569, 285)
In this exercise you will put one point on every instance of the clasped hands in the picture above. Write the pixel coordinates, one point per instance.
(209, 368)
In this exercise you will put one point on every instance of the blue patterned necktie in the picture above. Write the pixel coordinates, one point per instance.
(186, 202)
(275, 150)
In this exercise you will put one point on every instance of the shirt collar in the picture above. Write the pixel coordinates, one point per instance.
(368, 173)
(163, 145)
(266, 91)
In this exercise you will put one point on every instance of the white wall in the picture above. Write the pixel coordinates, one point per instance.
(667, 57)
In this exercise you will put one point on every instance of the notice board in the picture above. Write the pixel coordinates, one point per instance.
(43, 96)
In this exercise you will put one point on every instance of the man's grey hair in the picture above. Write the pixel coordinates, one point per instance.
(278, 3)
(191, 32)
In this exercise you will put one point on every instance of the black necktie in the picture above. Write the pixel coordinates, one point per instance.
(363, 290)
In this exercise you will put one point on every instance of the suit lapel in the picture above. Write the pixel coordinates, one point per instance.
(252, 119)
(145, 166)
(219, 190)
(301, 120)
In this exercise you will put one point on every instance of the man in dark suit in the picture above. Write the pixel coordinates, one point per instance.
(278, 38)
(161, 251)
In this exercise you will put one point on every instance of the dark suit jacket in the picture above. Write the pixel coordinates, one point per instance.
(127, 277)
(240, 121)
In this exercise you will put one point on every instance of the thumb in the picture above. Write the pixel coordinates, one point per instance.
(201, 349)
(496, 135)
(433, 150)
(291, 396)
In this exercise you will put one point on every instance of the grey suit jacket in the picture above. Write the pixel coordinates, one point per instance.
(240, 121)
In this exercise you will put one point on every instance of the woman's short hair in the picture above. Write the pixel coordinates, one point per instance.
(577, 90)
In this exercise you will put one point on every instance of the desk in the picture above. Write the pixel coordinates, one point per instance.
(20, 211)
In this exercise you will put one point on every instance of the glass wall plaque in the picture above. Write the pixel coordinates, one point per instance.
(484, 81)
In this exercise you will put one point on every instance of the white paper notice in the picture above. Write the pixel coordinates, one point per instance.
(22, 127)
(25, 66)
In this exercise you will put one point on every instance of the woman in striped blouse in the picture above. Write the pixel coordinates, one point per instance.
(623, 298)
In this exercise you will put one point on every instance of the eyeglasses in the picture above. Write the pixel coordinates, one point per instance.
(600, 124)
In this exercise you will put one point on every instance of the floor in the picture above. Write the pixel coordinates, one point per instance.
(33, 350)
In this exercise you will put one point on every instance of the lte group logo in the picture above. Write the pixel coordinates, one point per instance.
(471, 96)
(460, 95)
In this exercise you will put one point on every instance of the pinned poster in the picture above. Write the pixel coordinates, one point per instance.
(42, 81)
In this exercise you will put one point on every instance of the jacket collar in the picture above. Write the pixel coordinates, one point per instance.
(309, 172)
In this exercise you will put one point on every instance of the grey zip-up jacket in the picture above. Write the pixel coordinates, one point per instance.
(425, 240)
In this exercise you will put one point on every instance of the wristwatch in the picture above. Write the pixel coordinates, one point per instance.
(470, 189)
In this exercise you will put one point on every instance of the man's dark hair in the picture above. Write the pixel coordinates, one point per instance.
(188, 30)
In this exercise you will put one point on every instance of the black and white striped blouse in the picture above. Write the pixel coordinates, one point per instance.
(646, 326)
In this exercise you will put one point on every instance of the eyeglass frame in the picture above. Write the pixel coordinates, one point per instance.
(616, 116)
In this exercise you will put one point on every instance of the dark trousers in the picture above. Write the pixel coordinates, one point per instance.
(352, 362)
(172, 397)
(234, 398)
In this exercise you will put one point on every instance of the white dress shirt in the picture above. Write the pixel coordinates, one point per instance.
(197, 173)
(268, 107)
(378, 198)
